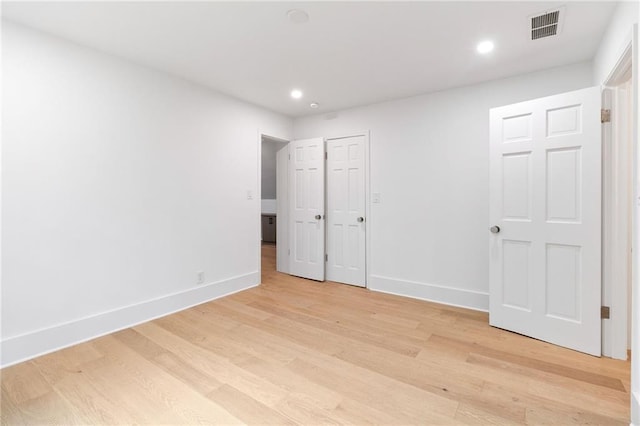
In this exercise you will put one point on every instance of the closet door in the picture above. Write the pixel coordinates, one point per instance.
(306, 212)
(346, 204)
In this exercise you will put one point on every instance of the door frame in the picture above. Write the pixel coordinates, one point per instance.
(628, 56)
(280, 246)
(617, 149)
(635, 280)
(367, 197)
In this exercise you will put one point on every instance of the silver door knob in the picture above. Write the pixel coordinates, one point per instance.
(494, 229)
(318, 217)
(360, 219)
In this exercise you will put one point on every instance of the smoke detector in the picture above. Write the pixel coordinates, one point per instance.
(547, 24)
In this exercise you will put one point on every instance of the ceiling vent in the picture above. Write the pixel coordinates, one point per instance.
(547, 24)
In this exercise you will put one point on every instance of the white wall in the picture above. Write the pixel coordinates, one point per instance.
(119, 184)
(269, 206)
(430, 164)
(616, 38)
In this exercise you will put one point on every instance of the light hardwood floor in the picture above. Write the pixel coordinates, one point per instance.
(294, 351)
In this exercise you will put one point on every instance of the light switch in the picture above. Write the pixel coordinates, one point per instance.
(375, 197)
(249, 195)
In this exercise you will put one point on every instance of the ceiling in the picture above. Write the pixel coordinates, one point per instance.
(347, 54)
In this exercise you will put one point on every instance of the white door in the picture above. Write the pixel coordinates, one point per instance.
(306, 212)
(282, 209)
(545, 165)
(346, 210)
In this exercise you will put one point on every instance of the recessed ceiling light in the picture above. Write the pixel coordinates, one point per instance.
(297, 16)
(296, 94)
(314, 105)
(485, 47)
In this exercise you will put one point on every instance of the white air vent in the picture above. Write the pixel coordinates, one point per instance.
(547, 23)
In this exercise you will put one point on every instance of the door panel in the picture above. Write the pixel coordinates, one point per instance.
(545, 167)
(516, 275)
(306, 214)
(345, 205)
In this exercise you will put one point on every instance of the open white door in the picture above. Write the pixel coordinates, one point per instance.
(282, 209)
(346, 210)
(306, 212)
(545, 207)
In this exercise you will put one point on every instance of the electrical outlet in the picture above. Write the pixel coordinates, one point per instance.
(200, 277)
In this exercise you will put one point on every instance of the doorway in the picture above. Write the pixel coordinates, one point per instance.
(273, 196)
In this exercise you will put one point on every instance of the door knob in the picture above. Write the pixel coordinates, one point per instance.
(318, 217)
(494, 229)
(360, 219)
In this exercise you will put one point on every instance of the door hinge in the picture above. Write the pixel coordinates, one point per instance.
(605, 116)
(289, 156)
(326, 257)
(326, 156)
(605, 312)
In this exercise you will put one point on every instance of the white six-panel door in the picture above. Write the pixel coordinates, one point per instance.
(306, 213)
(346, 206)
(545, 166)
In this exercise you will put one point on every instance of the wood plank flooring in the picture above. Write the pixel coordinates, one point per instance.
(294, 351)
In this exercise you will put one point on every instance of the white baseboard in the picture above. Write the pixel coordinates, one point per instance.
(40, 342)
(433, 293)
